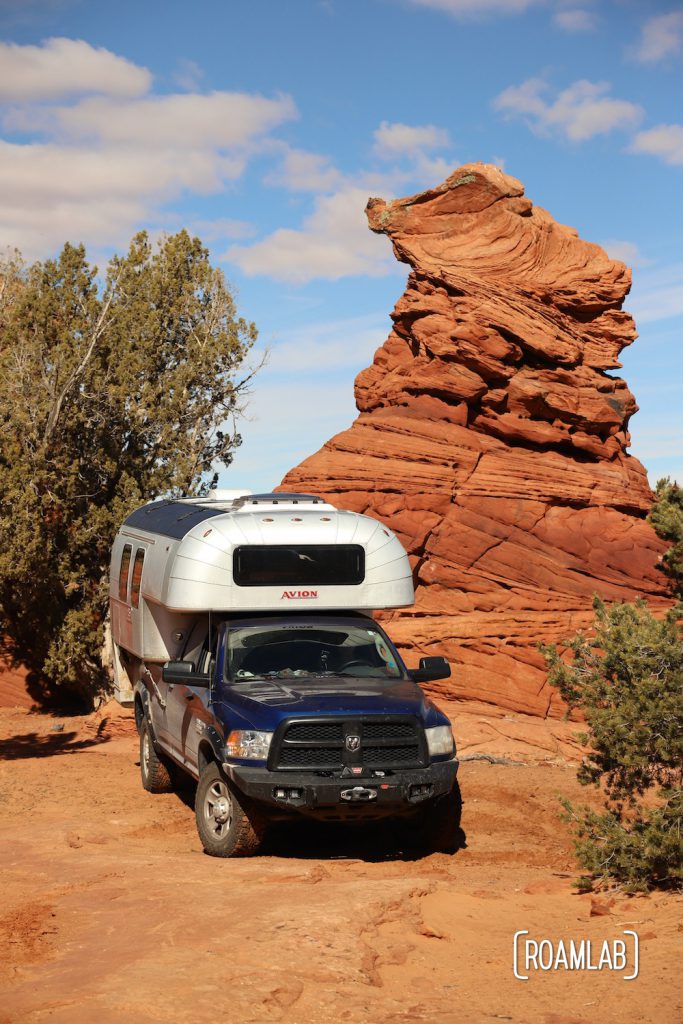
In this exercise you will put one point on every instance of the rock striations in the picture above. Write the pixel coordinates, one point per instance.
(492, 436)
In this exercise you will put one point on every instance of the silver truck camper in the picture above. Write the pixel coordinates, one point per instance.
(176, 562)
(243, 636)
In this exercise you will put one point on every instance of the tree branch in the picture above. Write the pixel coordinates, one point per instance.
(100, 327)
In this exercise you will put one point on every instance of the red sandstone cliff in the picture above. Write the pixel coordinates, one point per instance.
(492, 437)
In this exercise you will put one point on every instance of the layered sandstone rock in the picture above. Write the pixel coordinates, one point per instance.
(492, 436)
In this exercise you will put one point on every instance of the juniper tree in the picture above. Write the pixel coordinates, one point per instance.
(627, 678)
(667, 518)
(111, 393)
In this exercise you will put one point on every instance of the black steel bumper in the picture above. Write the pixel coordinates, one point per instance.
(396, 794)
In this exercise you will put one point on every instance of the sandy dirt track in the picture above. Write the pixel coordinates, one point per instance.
(110, 912)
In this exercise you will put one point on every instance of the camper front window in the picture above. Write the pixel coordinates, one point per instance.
(300, 650)
(298, 565)
(123, 571)
(137, 577)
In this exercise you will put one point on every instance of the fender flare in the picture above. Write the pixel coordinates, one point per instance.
(141, 694)
(212, 739)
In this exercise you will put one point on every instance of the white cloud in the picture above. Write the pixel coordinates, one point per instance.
(99, 168)
(627, 252)
(470, 8)
(580, 112)
(396, 140)
(215, 121)
(50, 194)
(661, 37)
(664, 141)
(333, 242)
(302, 171)
(62, 67)
(430, 171)
(42, 174)
(575, 20)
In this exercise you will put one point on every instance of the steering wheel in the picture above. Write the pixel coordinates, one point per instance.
(356, 661)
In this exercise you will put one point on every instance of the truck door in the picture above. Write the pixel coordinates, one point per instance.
(188, 708)
(158, 703)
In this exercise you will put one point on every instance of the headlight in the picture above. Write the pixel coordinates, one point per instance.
(440, 740)
(249, 744)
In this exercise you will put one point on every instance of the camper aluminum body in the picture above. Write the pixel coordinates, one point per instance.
(243, 633)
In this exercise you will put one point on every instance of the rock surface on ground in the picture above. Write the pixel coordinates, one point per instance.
(492, 436)
(111, 913)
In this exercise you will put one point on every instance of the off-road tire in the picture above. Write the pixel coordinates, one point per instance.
(227, 825)
(154, 771)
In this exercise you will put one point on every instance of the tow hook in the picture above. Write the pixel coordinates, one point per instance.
(359, 794)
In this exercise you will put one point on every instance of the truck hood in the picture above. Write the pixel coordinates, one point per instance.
(263, 704)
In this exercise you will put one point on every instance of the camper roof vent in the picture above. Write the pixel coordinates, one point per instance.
(279, 499)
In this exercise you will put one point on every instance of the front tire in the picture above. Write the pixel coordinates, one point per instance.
(154, 772)
(227, 828)
(441, 823)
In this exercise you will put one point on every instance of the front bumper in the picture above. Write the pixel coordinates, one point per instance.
(396, 794)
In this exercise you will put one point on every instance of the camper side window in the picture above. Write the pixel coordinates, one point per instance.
(123, 572)
(137, 577)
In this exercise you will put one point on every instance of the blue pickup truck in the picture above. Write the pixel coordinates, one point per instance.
(245, 631)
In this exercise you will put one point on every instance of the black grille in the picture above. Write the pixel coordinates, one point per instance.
(384, 757)
(315, 732)
(321, 744)
(388, 730)
(311, 757)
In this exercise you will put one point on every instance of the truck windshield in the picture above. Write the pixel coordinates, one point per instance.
(296, 651)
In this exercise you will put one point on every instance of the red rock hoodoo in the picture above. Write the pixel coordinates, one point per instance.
(492, 437)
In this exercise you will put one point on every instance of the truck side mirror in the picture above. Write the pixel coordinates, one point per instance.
(184, 672)
(430, 669)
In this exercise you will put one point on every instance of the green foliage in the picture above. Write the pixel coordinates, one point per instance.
(628, 680)
(109, 396)
(667, 518)
(644, 852)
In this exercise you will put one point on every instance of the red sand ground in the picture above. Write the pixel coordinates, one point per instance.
(110, 912)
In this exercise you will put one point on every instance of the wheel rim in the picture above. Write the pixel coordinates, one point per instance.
(146, 753)
(218, 809)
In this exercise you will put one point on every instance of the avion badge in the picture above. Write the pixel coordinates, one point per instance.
(298, 595)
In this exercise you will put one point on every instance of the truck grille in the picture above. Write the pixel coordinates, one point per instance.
(310, 757)
(315, 732)
(385, 743)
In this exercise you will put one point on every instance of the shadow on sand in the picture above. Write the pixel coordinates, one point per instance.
(31, 744)
(306, 839)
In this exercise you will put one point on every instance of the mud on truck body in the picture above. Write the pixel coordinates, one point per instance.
(243, 633)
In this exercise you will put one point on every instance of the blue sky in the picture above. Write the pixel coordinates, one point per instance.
(265, 126)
